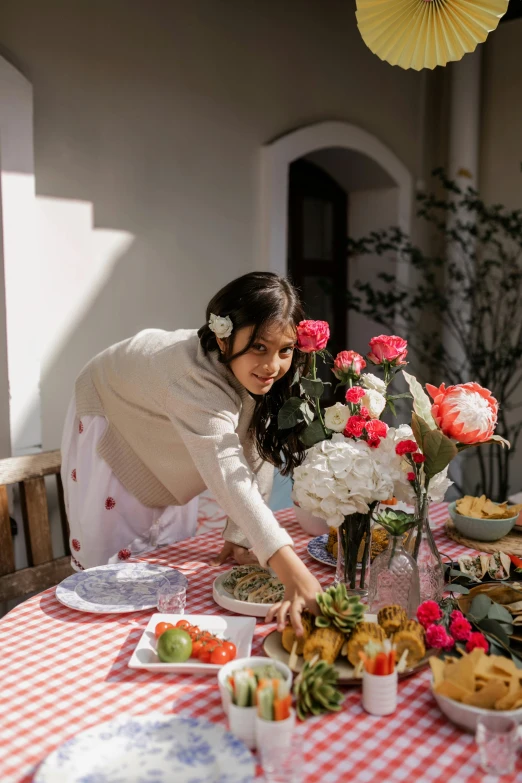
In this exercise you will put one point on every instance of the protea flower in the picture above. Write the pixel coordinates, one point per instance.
(466, 413)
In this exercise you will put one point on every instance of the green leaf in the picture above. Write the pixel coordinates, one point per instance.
(480, 607)
(421, 401)
(420, 428)
(438, 450)
(498, 612)
(312, 434)
(391, 406)
(495, 629)
(308, 414)
(312, 388)
(405, 396)
(290, 413)
(453, 587)
(494, 439)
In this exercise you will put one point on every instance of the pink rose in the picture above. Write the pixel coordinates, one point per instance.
(354, 427)
(428, 613)
(376, 428)
(477, 640)
(460, 629)
(355, 394)
(347, 364)
(388, 348)
(405, 447)
(312, 336)
(466, 412)
(437, 636)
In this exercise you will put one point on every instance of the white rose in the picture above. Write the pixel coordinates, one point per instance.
(371, 381)
(336, 417)
(221, 326)
(375, 402)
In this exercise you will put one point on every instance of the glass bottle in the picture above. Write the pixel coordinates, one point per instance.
(394, 579)
(353, 554)
(421, 545)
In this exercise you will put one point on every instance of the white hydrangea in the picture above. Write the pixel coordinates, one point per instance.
(340, 477)
(371, 381)
(375, 402)
(336, 416)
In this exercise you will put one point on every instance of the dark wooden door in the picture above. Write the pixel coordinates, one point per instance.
(317, 263)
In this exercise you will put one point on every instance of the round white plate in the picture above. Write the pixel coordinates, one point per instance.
(227, 601)
(116, 588)
(317, 549)
(150, 749)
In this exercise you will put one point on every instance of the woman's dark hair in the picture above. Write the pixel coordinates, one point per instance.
(258, 299)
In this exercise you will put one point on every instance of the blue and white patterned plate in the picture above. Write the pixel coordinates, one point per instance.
(317, 549)
(150, 749)
(116, 588)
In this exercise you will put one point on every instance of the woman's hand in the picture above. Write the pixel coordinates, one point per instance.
(301, 588)
(238, 553)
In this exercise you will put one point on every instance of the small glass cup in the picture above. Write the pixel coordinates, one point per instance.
(171, 598)
(282, 763)
(497, 740)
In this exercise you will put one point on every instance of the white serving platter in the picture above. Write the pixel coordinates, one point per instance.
(239, 630)
(223, 598)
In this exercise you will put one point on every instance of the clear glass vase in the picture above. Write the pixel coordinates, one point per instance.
(353, 554)
(394, 579)
(421, 545)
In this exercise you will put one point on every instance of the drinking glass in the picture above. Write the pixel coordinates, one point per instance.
(497, 740)
(171, 598)
(283, 763)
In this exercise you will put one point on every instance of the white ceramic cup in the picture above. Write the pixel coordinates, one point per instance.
(242, 723)
(275, 733)
(247, 663)
(379, 693)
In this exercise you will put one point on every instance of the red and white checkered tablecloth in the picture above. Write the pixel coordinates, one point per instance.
(62, 671)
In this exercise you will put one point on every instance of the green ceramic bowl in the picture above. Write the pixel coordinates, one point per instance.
(481, 529)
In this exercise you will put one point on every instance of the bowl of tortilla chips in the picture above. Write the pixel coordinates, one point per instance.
(481, 518)
(476, 684)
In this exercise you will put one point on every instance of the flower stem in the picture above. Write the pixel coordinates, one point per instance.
(317, 401)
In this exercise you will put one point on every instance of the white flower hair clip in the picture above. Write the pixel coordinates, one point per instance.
(221, 326)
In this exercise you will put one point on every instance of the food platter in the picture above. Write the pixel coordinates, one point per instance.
(225, 599)
(274, 649)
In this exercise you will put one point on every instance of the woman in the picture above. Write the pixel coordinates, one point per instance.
(161, 416)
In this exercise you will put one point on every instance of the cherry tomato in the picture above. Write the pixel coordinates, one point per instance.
(196, 648)
(230, 647)
(204, 655)
(219, 656)
(183, 624)
(206, 635)
(160, 628)
(211, 645)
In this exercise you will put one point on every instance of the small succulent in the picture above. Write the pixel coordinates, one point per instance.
(339, 609)
(315, 690)
(396, 523)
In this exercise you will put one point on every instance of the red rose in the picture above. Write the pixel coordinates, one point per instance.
(312, 336)
(347, 364)
(466, 412)
(405, 447)
(388, 348)
(410, 476)
(354, 426)
(477, 640)
(460, 629)
(419, 458)
(355, 394)
(376, 428)
(428, 613)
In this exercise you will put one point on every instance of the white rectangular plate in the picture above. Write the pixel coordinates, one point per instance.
(239, 630)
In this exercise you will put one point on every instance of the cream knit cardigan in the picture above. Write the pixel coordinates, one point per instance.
(178, 423)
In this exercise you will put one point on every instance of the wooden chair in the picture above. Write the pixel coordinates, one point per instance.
(44, 570)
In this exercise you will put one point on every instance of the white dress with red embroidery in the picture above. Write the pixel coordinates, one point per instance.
(107, 523)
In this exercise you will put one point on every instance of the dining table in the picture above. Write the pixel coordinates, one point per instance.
(63, 671)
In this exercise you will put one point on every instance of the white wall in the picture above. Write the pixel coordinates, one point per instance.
(149, 119)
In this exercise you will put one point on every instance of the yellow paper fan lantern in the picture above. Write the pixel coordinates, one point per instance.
(425, 33)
